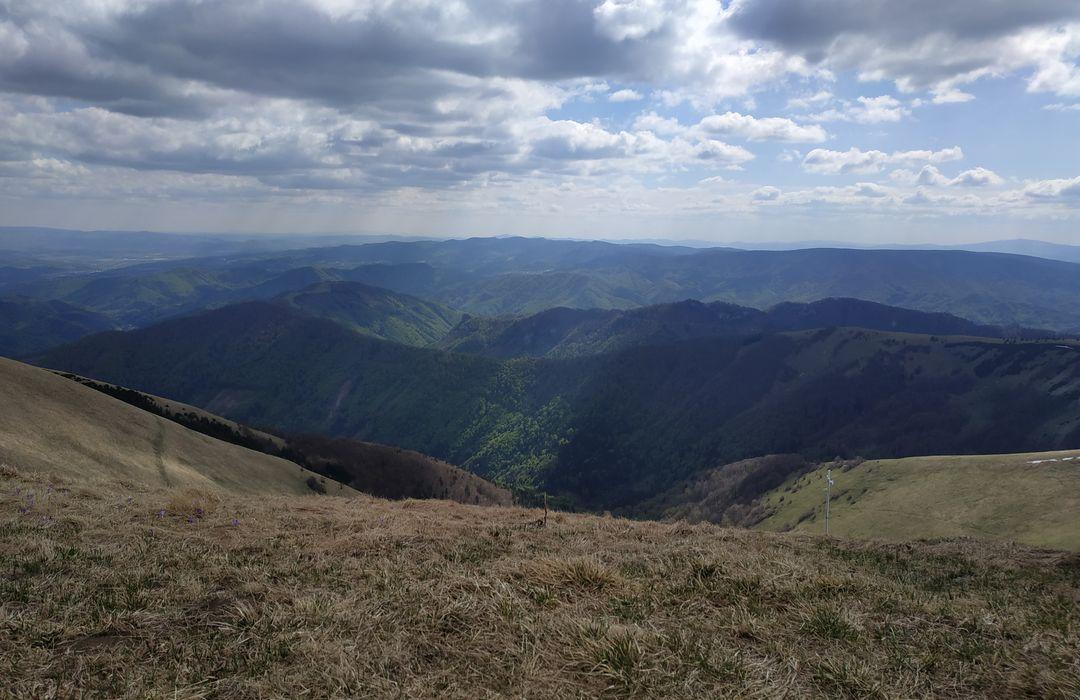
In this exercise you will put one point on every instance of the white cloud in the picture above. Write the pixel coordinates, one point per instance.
(655, 123)
(808, 101)
(765, 194)
(629, 19)
(976, 177)
(864, 110)
(1066, 190)
(763, 129)
(854, 160)
(926, 44)
(932, 177)
(625, 95)
(951, 95)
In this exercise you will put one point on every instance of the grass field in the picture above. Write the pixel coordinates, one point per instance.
(113, 590)
(55, 425)
(1031, 498)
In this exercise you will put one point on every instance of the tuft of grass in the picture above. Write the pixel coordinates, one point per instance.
(322, 596)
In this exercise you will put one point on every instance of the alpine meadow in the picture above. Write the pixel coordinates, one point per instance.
(564, 349)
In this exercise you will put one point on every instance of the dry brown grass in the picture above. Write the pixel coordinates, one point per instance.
(116, 591)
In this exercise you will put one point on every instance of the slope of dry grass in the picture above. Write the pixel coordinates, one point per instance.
(1033, 498)
(114, 591)
(378, 470)
(52, 424)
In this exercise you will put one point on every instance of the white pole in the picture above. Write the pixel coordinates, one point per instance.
(828, 497)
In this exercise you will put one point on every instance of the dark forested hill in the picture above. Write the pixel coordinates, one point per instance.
(609, 429)
(28, 326)
(564, 332)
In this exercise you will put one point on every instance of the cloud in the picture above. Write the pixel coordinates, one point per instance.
(652, 121)
(629, 19)
(924, 44)
(625, 95)
(764, 129)
(976, 177)
(1063, 190)
(946, 96)
(864, 110)
(765, 194)
(808, 101)
(855, 160)
(425, 105)
(932, 177)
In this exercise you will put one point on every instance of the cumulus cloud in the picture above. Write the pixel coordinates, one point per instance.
(864, 110)
(1064, 190)
(854, 160)
(763, 129)
(421, 104)
(625, 95)
(976, 177)
(930, 176)
(925, 44)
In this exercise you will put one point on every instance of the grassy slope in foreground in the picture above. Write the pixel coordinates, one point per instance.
(999, 496)
(329, 597)
(49, 423)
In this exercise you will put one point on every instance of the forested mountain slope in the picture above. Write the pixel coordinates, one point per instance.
(610, 429)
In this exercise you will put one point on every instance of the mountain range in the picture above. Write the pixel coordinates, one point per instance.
(606, 430)
(564, 332)
(508, 276)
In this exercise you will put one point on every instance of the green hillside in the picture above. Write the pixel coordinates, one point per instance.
(609, 430)
(1032, 498)
(377, 312)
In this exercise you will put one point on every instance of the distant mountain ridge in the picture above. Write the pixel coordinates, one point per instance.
(515, 276)
(1013, 246)
(564, 332)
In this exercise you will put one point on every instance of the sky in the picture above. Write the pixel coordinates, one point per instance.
(745, 120)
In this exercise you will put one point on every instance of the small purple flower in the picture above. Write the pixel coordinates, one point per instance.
(235, 522)
(198, 512)
(160, 514)
(190, 519)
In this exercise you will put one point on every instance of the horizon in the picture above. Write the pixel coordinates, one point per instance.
(684, 242)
